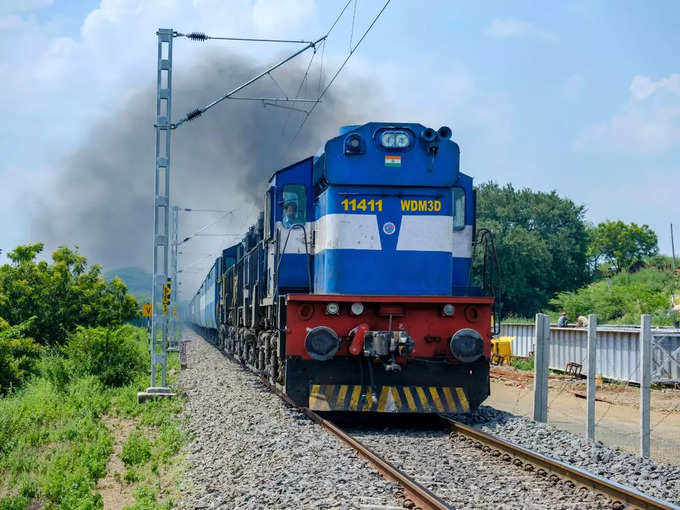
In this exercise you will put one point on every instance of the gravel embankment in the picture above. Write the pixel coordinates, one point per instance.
(467, 477)
(653, 478)
(250, 450)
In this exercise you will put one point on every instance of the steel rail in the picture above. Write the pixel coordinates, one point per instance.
(419, 495)
(626, 496)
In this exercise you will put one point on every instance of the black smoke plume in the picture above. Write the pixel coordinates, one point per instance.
(103, 195)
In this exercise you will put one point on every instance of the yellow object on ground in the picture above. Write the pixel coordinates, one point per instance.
(502, 346)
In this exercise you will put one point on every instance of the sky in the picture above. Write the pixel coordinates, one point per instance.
(580, 97)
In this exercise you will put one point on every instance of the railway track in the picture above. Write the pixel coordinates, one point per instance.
(578, 482)
(609, 494)
(620, 496)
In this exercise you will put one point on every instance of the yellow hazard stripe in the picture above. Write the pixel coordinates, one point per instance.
(435, 398)
(409, 399)
(463, 400)
(312, 396)
(354, 401)
(396, 397)
(369, 400)
(383, 398)
(423, 398)
(450, 401)
(340, 401)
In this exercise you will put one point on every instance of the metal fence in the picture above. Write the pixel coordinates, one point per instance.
(618, 350)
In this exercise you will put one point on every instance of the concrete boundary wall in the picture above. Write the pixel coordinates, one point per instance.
(618, 350)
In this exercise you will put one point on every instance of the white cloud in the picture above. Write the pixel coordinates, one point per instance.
(509, 28)
(642, 86)
(649, 122)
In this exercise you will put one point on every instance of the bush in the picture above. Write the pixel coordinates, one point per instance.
(623, 298)
(54, 367)
(115, 356)
(19, 356)
(136, 450)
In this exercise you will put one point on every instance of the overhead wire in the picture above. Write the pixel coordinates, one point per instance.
(339, 70)
(351, 34)
(278, 85)
(207, 226)
(200, 36)
(297, 94)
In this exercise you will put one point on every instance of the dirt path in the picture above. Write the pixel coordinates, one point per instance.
(116, 493)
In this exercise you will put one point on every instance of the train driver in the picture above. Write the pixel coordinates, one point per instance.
(290, 213)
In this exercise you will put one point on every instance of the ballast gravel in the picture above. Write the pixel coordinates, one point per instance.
(249, 450)
(471, 478)
(655, 479)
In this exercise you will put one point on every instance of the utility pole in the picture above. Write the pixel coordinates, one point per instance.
(673, 248)
(161, 216)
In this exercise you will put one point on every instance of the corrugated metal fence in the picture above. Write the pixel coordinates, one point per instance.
(618, 350)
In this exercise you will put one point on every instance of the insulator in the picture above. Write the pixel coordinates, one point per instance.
(197, 36)
(194, 113)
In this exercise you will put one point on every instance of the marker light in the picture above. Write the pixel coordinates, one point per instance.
(357, 308)
(354, 144)
(332, 309)
(395, 139)
(448, 309)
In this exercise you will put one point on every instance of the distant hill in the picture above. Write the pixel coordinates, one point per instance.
(137, 281)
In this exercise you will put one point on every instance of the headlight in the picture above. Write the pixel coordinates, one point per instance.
(332, 309)
(321, 343)
(357, 308)
(467, 345)
(395, 139)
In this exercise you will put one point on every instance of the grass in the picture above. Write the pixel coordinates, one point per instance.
(525, 364)
(55, 443)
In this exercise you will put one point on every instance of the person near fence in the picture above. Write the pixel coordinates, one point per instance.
(562, 321)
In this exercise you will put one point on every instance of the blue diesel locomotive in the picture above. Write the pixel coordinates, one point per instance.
(353, 291)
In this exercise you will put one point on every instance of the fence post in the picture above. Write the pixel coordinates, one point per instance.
(645, 381)
(541, 362)
(592, 360)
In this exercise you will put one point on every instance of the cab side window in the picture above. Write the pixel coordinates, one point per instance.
(294, 205)
(458, 208)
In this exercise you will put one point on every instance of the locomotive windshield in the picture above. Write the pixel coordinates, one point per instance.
(294, 205)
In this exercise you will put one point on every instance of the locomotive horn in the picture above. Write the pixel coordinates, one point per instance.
(444, 132)
(429, 135)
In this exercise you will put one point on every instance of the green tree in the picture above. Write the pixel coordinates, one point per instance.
(61, 295)
(18, 355)
(541, 243)
(621, 245)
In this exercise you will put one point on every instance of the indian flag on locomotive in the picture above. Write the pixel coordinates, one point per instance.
(392, 160)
